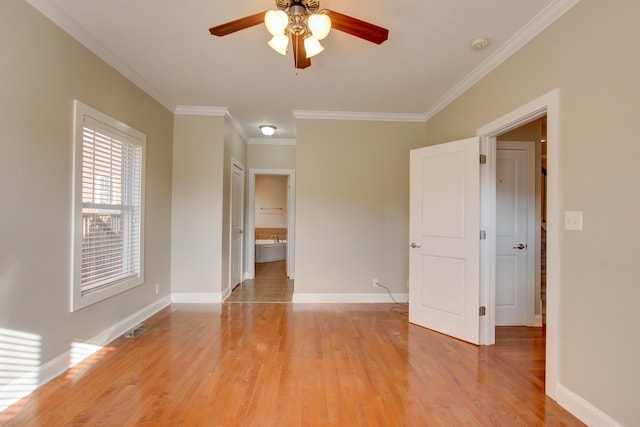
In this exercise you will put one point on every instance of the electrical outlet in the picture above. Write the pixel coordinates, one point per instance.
(157, 288)
(375, 282)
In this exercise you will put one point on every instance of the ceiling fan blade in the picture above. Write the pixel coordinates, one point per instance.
(300, 59)
(237, 25)
(358, 28)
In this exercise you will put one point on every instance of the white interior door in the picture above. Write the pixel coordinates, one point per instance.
(236, 223)
(515, 233)
(444, 276)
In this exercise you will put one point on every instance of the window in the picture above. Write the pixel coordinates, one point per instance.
(108, 201)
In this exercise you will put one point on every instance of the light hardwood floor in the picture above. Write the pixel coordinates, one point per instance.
(298, 365)
(270, 285)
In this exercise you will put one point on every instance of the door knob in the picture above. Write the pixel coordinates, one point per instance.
(413, 245)
(520, 246)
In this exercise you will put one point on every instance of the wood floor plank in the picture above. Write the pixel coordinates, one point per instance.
(298, 365)
(270, 284)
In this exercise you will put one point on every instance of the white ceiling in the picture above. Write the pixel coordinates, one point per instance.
(165, 48)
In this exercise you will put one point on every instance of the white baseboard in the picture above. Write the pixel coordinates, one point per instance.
(348, 298)
(537, 320)
(583, 410)
(130, 322)
(23, 386)
(196, 298)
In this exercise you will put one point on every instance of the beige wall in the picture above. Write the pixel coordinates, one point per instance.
(271, 201)
(236, 148)
(352, 204)
(43, 71)
(203, 149)
(197, 208)
(268, 156)
(591, 55)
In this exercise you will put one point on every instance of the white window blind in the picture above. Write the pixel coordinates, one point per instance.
(110, 164)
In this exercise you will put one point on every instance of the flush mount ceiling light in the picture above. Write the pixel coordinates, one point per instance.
(306, 24)
(267, 130)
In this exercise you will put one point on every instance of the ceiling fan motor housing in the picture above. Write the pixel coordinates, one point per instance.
(310, 6)
(297, 20)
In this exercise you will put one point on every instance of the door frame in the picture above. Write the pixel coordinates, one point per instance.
(250, 238)
(547, 104)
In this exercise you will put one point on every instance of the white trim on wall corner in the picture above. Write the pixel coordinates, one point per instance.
(271, 141)
(583, 410)
(373, 298)
(353, 115)
(236, 126)
(80, 350)
(194, 110)
(197, 298)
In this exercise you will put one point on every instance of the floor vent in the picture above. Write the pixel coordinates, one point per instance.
(136, 332)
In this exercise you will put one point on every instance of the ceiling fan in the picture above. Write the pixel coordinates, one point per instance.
(306, 24)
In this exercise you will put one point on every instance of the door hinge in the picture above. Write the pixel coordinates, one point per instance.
(483, 159)
(483, 235)
(483, 310)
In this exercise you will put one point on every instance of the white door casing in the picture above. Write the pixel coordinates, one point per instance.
(515, 233)
(444, 232)
(549, 105)
(251, 229)
(236, 223)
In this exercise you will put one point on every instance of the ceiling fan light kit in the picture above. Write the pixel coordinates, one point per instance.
(312, 46)
(306, 25)
(320, 25)
(276, 21)
(279, 43)
(297, 20)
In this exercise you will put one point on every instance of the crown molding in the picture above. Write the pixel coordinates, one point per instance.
(349, 115)
(56, 15)
(271, 141)
(535, 26)
(194, 110)
(237, 127)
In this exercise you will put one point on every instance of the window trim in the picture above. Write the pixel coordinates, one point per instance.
(78, 300)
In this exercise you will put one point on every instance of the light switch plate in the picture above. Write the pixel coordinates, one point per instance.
(573, 220)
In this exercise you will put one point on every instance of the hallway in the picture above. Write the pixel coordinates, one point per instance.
(269, 285)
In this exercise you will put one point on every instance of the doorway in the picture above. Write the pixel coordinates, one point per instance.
(270, 237)
(545, 106)
(290, 218)
(440, 295)
(521, 225)
(520, 240)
